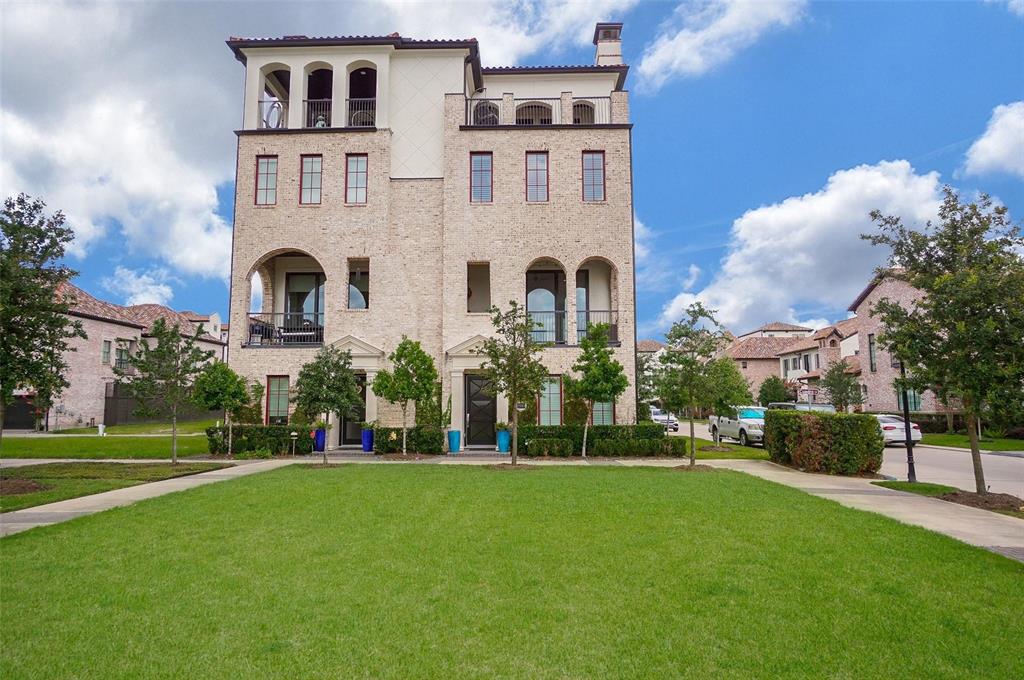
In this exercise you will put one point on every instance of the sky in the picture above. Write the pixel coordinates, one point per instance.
(764, 132)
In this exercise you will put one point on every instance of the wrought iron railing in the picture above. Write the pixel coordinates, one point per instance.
(283, 329)
(361, 112)
(548, 327)
(538, 111)
(273, 114)
(591, 317)
(483, 112)
(318, 113)
(591, 110)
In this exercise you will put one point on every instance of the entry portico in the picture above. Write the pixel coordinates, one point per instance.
(460, 361)
(367, 360)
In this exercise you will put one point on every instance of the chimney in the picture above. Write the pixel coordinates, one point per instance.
(608, 41)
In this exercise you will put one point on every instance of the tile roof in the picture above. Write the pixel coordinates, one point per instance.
(780, 326)
(801, 344)
(87, 306)
(648, 345)
(149, 313)
(759, 348)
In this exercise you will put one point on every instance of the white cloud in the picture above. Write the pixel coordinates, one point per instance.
(1015, 6)
(1001, 147)
(707, 33)
(139, 288)
(692, 276)
(807, 249)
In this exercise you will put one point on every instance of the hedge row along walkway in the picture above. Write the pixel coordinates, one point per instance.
(981, 528)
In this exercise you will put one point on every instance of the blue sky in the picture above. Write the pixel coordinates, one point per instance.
(764, 132)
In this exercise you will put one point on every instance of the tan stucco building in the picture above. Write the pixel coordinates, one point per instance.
(391, 187)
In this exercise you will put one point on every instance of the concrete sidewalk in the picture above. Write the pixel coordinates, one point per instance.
(61, 511)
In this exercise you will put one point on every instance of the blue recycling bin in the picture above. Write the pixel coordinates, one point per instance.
(367, 436)
(504, 441)
(320, 441)
(454, 440)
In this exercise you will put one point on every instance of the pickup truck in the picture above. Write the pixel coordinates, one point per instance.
(667, 420)
(747, 426)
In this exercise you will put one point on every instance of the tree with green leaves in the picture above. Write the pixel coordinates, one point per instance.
(219, 388)
(725, 389)
(35, 328)
(511, 361)
(327, 385)
(601, 377)
(687, 379)
(841, 386)
(646, 372)
(411, 379)
(251, 411)
(160, 377)
(966, 330)
(772, 389)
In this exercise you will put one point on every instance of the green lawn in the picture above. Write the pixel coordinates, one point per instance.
(70, 480)
(921, 488)
(192, 427)
(961, 441)
(99, 447)
(749, 452)
(396, 571)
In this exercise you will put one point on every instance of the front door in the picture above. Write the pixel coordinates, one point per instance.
(481, 412)
(352, 425)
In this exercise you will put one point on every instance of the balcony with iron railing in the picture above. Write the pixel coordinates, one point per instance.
(318, 113)
(272, 329)
(538, 111)
(273, 114)
(361, 112)
(549, 328)
(592, 317)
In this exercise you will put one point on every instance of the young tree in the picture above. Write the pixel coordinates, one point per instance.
(966, 330)
(326, 385)
(251, 411)
(687, 365)
(725, 389)
(220, 388)
(511, 361)
(842, 387)
(645, 385)
(411, 379)
(34, 325)
(160, 378)
(772, 389)
(601, 378)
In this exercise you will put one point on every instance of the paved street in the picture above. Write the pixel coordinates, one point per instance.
(1003, 474)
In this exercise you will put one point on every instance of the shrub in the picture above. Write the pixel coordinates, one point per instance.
(254, 453)
(549, 447)
(674, 447)
(421, 439)
(275, 438)
(574, 433)
(833, 443)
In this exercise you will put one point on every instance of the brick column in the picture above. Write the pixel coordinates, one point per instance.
(620, 106)
(507, 113)
(566, 112)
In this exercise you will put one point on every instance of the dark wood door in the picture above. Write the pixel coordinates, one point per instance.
(352, 424)
(481, 412)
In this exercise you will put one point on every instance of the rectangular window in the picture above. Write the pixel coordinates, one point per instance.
(817, 361)
(105, 354)
(359, 284)
(304, 300)
(604, 413)
(121, 358)
(355, 178)
(481, 180)
(913, 398)
(536, 176)
(743, 364)
(593, 175)
(872, 353)
(312, 168)
(807, 362)
(478, 287)
(266, 180)
(549, 408)
(277, 400)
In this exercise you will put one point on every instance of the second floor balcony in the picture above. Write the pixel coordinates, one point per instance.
(538, 111)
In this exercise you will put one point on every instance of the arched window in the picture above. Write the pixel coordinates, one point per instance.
(319, 94)
(274, 95)
(533, 113)
(485, 113)
(582, 113)
(362, 96)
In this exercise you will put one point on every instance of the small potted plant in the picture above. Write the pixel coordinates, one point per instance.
(367, 436)
(320, 428)
(504, 437)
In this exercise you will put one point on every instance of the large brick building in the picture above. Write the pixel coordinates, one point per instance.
(391, 187)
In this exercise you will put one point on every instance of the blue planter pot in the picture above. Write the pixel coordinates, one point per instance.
(320, 441)
(504, 441)
(454, 440)
(367, 441)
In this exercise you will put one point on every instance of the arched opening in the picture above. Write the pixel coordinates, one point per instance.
(485, 113)
(275, 87)
(292, 300)
(582, 113)
(545, 300)
(362, 95)
(319, 94)
(596, 299)
(533, 113)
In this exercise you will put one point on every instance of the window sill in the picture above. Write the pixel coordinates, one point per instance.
(354, 205)
(538, 202)
(264, 206)
(355, 311)
(481, 203)
(310, 205)
(485, 314)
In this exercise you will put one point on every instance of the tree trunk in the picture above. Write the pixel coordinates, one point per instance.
(3, 413)
(515, 434)
(693, 440)
(972, 434)
(174, 436)
(404, 407)
(586, 425)
(227, 419)
(949, 421)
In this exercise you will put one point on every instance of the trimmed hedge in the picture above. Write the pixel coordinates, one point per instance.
(674, 447)
(274, 438)
(549, 447)
(419, 439)
(833, 443)
(574, 433)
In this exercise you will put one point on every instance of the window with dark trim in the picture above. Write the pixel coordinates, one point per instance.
(872, 353)
(277, 400)
(536, 176)
(121, 358)
(481, 177)
(355, 177)
(604, 413)
(549, 406)
(359, 283)
(105, 354)
(312, 171)
(913, 398)
(266, 180)
(593, 176)
(743, 364)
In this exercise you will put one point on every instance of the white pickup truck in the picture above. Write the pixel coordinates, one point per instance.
(747, 426)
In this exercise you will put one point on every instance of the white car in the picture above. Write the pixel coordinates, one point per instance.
(747, 426)
(666, 419)
(894, 432)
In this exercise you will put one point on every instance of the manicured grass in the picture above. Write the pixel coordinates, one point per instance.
(458, 571)
(961, 441)
(921, 488)
(99, 447)
(191, 427)
(71, 480)
(748, 452)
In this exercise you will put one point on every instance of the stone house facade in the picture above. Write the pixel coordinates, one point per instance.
(441, 189)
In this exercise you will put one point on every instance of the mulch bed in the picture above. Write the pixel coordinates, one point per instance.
(510, 466)
(694, 468)
(719, 449)
(406, 456)
(16, 486)
(985, 501)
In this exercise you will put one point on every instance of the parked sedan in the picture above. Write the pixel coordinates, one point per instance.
(894, 431)
(666, 419)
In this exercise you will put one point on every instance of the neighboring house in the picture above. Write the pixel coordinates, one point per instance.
(777, 329)
(393, 187)
(652, 348)
(757, 356)
(806, 360)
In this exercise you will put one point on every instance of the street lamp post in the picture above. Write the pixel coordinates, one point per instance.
(911, 474)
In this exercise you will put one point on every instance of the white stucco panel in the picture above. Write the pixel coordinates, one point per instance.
(419, 81)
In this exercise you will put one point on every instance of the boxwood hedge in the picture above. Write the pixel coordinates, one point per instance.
(622, 448)
(274, 438)
(549, 447)
(574, 433)
(833, 443)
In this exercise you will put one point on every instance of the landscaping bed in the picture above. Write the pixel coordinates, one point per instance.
(1002, 503)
